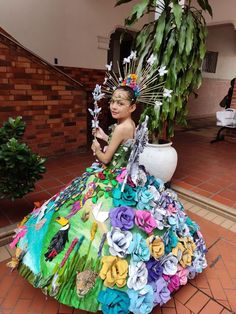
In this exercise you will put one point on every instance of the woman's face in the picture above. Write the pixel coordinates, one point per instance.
(120, 105)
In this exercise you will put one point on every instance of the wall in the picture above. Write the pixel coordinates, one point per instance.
(67, 30)
(223, 12)
(223, 40)
(52, 105)
(215, 85)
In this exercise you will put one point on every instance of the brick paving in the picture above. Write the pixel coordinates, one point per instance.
(213, 291)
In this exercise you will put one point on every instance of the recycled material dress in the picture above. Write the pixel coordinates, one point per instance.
(94, 247)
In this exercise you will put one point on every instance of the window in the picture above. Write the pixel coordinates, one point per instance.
(210, 62)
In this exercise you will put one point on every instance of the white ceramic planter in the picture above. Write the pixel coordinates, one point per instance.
(159, 160)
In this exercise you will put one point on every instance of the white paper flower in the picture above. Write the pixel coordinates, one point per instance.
(162, 71)
(119, 241)
(167, 93)
(138, 275)
(109, 66)
(169, 264)
(151, 59)
(126, 60)
(95, 124)
(97, 93)
(157, 103)
(133, 55)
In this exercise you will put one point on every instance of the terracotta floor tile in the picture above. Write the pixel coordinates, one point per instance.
(184, 185)
(222, 200)
(12, 297)
(21, 307)
(231, 195)
(185, 293)
(77, 311)
(231, 295)
(51, 307)
(168, 310)
(226, 312)
(64, 309)
(181, 309)
(197, 302)
(213, 188)
(202, 192)
(192, 180)
(212, 307)
(216, 289)
(156, 310)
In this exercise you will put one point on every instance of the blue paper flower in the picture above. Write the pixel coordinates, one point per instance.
(138, 248)
(144, 198)
(114, 301)
(141, 301)
(127, 197)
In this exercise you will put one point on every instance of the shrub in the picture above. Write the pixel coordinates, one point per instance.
(20, 168)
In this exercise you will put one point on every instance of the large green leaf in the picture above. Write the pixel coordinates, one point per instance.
(189, 33)
(137, 12)
(159, 32)
(119, 2)
(204, 4)
(177, 11)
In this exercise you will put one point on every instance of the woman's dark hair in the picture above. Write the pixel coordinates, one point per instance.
(129, 91)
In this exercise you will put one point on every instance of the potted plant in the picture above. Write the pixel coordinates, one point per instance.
(177, 37)
(20, 168)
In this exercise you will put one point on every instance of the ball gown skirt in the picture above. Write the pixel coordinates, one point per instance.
(93, 247)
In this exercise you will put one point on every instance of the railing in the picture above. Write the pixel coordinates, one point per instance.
(41, 60)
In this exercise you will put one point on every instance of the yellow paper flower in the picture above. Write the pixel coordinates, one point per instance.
(114, 271)
(156, 246)
(184, 251)
(178, 250)
(186, 259)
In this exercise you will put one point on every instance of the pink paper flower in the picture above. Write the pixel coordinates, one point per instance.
(121, 176)
(182, 273)
(145, 221)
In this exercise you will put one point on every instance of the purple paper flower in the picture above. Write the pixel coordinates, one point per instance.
(161, 292)
(122, 217)
(173, 282)
(155, 270)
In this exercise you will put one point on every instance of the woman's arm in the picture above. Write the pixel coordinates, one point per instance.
(118, 136)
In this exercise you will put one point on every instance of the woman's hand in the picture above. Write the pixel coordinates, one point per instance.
(99, 133)
(95, 146)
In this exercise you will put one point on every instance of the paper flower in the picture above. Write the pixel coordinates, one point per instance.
(119, 241)
(144, 198)
(167, 93)
(156, 246)
(121, 176)
(114, 271)
(114, 301)
(122, 217)
(145, 221)
(155, 270)
(199, 261)
(138, 275)
(159, 214)
(127, 197)
(141, 301)
(162, 71)
(138, 248)
(151, 59)
(182, 273)
(173, 282)
(169, 264)
(108, 66)
(161, 292)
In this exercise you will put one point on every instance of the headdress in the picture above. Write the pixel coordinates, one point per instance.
(144, 80)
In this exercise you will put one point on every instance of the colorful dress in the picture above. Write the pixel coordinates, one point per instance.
(94, 247)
